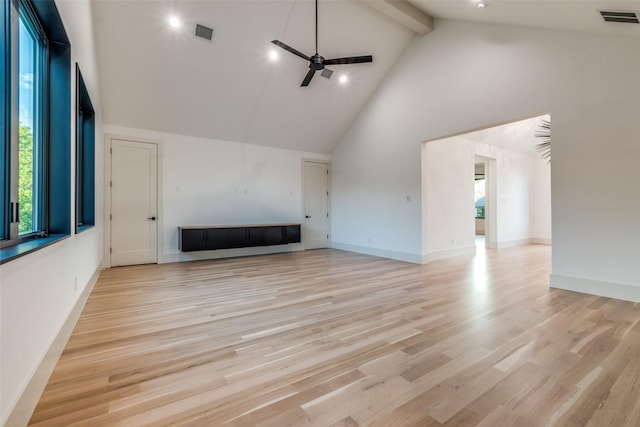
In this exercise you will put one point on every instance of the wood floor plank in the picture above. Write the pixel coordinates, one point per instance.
(333, 338)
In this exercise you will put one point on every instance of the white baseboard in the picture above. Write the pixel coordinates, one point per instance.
(540, 241)
(26, 403)
(518, 242)
(448, 253)
(229, 253)
(596, 287)
(511, 243)
(383, 253)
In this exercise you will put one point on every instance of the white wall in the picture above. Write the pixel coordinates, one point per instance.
(213, 182)
(38, 290)
(541, 202)
(514, 182)
(465, 76)
(375, 197)
(448, 220)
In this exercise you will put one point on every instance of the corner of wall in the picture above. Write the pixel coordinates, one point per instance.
(382, 253)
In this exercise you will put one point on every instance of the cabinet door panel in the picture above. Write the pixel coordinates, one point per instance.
(273, 235)
(258, 236)
(237, 237)
(291, 234)
(192, 240)
(217, 238)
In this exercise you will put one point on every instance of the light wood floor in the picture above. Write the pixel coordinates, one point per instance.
(331, 338)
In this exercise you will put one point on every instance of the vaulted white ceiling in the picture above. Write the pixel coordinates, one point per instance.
(153, 77)
(158, 78)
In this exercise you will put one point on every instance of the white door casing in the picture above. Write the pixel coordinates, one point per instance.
(315, 229)
(134, 202)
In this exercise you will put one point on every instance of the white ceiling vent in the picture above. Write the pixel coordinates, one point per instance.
(204, 33)
(628, 17)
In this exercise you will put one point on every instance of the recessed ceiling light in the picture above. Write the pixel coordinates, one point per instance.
(481, 5)
(174, 22)
(343, 79)
(273, 55)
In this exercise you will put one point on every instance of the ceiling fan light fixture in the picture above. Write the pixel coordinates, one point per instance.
(174, 22)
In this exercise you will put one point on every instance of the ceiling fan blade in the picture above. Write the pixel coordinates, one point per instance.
(349, 60)
(290, 49)
(308, 77)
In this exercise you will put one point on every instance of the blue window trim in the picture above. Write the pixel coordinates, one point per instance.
(85, 156)
(59, 120)
(57, 129)
(26, 247)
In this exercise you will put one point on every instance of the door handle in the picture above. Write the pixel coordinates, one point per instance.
(152, 218)
(307, 216)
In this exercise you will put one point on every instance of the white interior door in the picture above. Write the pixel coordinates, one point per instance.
(134, 202)
(315, 231)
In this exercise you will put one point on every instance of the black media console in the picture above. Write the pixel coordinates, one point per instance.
(236, 236)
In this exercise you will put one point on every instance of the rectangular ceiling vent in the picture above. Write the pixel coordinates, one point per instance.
(326, 73)
(204, 33)
(628, 17)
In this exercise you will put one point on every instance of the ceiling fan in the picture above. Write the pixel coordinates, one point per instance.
(317, 62)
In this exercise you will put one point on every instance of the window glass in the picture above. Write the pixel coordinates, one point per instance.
(479, 197)
(29, 142)
(5, 109)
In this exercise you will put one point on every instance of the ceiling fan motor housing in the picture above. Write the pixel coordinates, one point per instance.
(317, 62)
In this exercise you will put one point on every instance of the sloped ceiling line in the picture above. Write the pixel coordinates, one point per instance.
(405, 13)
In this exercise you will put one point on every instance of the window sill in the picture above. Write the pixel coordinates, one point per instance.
(24, 248)
(84, 227)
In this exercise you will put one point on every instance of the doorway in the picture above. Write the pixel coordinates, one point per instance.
(134, 203)
(315, 229)
(479, 198)
(517, 190)
(485, 210)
